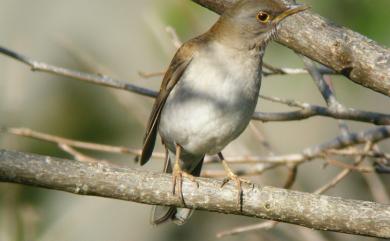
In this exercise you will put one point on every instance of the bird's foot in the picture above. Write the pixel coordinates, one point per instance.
(177, 179)
(233, 177)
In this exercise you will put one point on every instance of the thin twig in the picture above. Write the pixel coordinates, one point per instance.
(177, 43)
(343, 165)
(322, 85)
(266, 225)
(325, 86)
(260, 137)
(78, 155)
(374, 135)
(377, 187)
(272, 70)
(87, 77)
(355, 152)
(74, 143)
(292, 176)
(313, 111)
(151, 75)
(288, 102)
(343, 174)
(308, 110)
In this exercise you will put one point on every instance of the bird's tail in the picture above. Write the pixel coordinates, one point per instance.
(179, 216)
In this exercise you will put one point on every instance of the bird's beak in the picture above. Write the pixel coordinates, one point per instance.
(290, 11)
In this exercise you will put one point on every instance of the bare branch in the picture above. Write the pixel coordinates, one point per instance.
(74, 143)
(175, 38)
(307, 112)
(357, 57)
(325, 86)
(377, 187)
(319, 151)
(78, 155)
(373, 135)
(309, 210)
(151, 75)
(343, 174)
(346, 166)
(270, 70)
(292, 176)
(87, 77)
(266, 225)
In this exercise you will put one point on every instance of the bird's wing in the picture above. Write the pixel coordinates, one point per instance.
(175, 71)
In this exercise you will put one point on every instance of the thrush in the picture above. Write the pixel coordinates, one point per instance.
(209, 93)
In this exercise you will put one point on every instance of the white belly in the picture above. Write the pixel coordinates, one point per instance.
(212, 103)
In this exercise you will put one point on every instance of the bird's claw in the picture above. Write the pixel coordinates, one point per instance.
(177, 179)
(233, 177)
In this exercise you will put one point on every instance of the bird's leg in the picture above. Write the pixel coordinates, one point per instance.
(233, 177)
(178, 174)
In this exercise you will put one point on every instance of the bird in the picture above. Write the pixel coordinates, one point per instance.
(209, 94)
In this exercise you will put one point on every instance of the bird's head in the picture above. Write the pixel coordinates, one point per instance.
(254, 22)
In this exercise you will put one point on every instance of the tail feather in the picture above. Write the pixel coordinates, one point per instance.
(161, 214)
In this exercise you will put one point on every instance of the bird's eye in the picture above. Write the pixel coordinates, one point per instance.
(263, 17)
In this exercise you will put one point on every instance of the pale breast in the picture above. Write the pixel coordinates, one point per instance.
(213, 102)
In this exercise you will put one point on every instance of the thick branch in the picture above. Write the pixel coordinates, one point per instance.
(347, 52)
(309, 210)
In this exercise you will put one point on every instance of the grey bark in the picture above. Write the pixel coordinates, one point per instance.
(345, 51)
(309, 210)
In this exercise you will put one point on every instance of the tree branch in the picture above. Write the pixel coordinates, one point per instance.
(87, 77)
(335, 146)
(314, 110)
(343, 174)
(345, 51)
(373, 135)
(307, 110)
(325, 86)
(74, 143)
(309, 210)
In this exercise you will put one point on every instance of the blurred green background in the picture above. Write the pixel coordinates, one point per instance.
(120, 39)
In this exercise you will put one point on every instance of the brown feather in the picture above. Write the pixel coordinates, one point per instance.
(176, 69)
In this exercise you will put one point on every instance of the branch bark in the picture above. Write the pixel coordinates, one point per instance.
(309, 210)
(360, 59)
